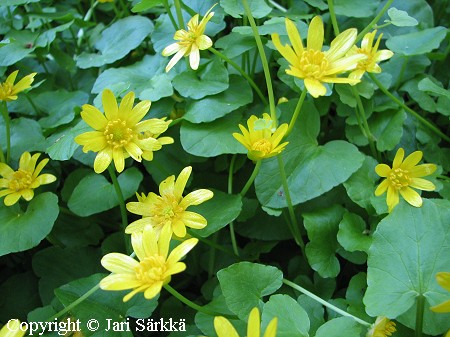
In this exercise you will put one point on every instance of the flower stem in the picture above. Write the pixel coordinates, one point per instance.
(179, 14)
(323, 302)
(333, 17)
(169, 13)
(230, 191)
(295, 230)
(211, 243)
(374, 21)
(264, 62)
(192, 305)
(242, 72)
(251, 179)
(4, 112)
(296, 112)
(419, 315)
(408, 109)
(365, 125)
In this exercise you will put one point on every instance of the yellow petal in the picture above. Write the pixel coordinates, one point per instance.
(224, 328)
(171, 49)
(341, 44)
(25, 162)
(119, 263)
(392, 198)
(119, 282)
(315, 34)
(134, 151)
(194, 57)
(203, 42)
(422, 170)
(102, 160)
(139, 208)
(167, 186)
(382, 170)
(344, 64)
(119, 159)
(294, 36)
(181, 250)
(411, 196)
(181, 181)
(164, 241)
(442, 308)
(24, 83)
(286, 51)
(254, 323)
(145, 243)
(443, 278)
(193, 220)
(126, 105)
(315, 88)
(40, 167)
(412, 160)
(271, 330)
(196, 198)
(138, 225)
(153, 290)
(383, 55)
(422, 184)
(44, 179)
(110, 105)
(27, 194)
(382, 187)
(11, 199)
(398, 158)
(12, 77)
(139, 289)
(175, 59)
(179, 229)
(5, 170)
(176, 268)
(93, 117)
(138, 112)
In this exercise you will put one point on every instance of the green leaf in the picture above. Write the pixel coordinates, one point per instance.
(212, 139)
(424, 100)
(235, 44)
(211, 108)
(57, 266)
(24, 230)
(259, 8)
(409, 247)
(117, 41)
(145, 5)
(158, 87)
(308, 171)
(293, 321)
(244, 284)
(401, 18)
(352, 233)
(95, 194)
(107, 305)
(208, 80)
(387, 127)
(428, 85)
(348, 8)
(16, 2)
(322, 228)
(230, 206)
(336, 326)
(417, 43)
(354, 296)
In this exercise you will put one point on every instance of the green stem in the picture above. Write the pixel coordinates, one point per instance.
(419, 315)
(251, 179)
(2, 157)
(242, 72)
(124, 8)
(123, 209)
(323, 302)
(296, 112)
(333, 17)
(212, 244)
(294, 224)
(4, 112)
(277, 6)
(193, 305)
(265, 64)
(172, 19)
(86, 18)
(179, 14)
(374, 21)
(408, 109)
(230, 191)
(212, 256)
(365, 125)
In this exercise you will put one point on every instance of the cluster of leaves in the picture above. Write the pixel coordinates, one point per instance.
(356, 257)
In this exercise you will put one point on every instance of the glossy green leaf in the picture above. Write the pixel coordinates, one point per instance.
(352, 234)
(61, 144)
(117, 41)
(259, 8)
(21, 230)
(409, 247)
(418, 42)
(95, 194)
(211, 108)
(387, 127)
(347, 8)
(144, 5)
(335, 327)
(244, 284)
(322, 227)
(293, 321)
(230, 206)
(428, 85)
(401, 18)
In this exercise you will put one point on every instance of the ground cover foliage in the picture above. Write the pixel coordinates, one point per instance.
(308, 181)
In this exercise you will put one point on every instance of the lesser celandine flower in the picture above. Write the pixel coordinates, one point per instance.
(403, 175)
(224, 328)
(12, 329)
(21, 183)
(154, 268)
(443, 278)
(9, 90)
(370, 64)
(261, 139)
(190, 42)
(169, 208)
(382, 327)
(312, 64)
(119, 133)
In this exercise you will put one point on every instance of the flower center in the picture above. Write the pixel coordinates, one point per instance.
(21, 180)
(313, 63)
(364, 63)
(167, 210)
(6, 90)
(151, 269)
(262, 145)
(399, 178)
(117, 133)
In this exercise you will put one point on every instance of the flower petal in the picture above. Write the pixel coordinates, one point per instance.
(167, 186)
(181, 182)
(119, 159)
(175, 59)
(315, 88)
(181, 250)
(193, 220)
(179, 229)
(134, 151)
(254, 323)
(126, 105)
(138, 225)
(285, 51)
(119, 263)
(171, 49)
(203, 42)
(392, 198)
(93, 117)
(422, 184)
(27, 194)
(382, 170)
(224, 328)
(412, 160)
(398, 159)
(341, 44)
(43, 179)
(294, 36)
(315, 34)
(24, 83)
(12, 198)
(271, 329)
(196, 198)
(153, 290)
(139, 112)
(176, 268)
(194, 57)
(442, 308)
(412, 197)
(382, 187)
(119, 282)
(102, 160)
(422, 170)
(110, 105)
(5, 170)
(164, 241)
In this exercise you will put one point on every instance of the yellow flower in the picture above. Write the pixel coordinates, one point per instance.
(119, 133)
(9, 90)
(224, 328)
(154, 268)
(20, 183)
(12, 329)
(381, 328)
(443, 278)
(261, 139)
(312, 64)
(373, 56)
(169, 209)
(190, 42)
(402, 175)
